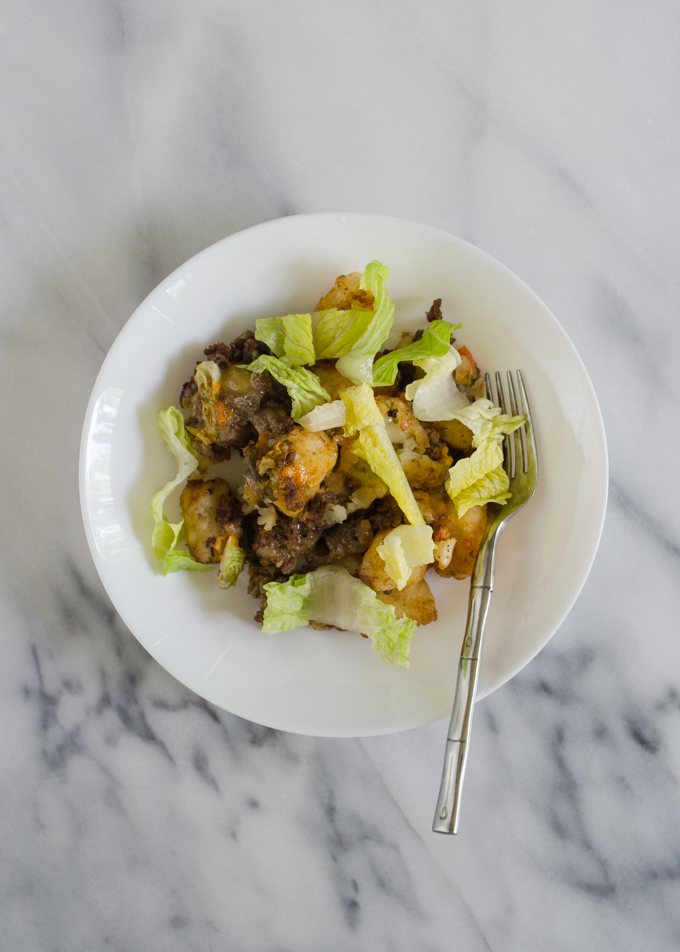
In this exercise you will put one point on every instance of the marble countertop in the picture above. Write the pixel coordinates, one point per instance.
(134, 816)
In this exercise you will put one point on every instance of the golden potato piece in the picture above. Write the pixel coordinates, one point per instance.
(402, 423)
(467, 530)
(331, 379)
(455, 434)
(372, 571)
(415, 601)
(468, 376)
(425, 473)
(291, 472)
(431, 504)
(199, 502)
(354, 468)
(345, 294)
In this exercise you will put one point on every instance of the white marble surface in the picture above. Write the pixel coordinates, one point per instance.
(133, 816)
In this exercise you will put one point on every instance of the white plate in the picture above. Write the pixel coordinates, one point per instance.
(331, 683)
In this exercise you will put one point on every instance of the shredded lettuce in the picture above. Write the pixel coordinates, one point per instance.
(176, 560)
(481, 478)
(287, 604)
(325, 416)
(231, 564)
(435, 342)
(289, 336)
(269, 330)
(332, 596)
(166, 535)
(336, 332)
(304, 388)
(357, 364)
(436, 396)
(405, 548)
(373, 445)
(486, 421)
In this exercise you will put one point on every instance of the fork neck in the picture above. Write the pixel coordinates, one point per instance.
(485, 564)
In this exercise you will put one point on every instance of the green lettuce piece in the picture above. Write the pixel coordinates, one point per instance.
(374, 446)
(435, 342)
(269, 330)
(405, 548)
(487, 422)
(286, 604)
(304, 388)
(231, 564)
(165, 534)
(336, 332)
(289, 336)
(325, 416)
(357, 363)
(435, 396)
(176, 560)
(332, 596)
(479, 479)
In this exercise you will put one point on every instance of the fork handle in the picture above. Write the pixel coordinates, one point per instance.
(447, 814)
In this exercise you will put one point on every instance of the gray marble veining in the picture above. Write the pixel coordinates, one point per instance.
(135, 816)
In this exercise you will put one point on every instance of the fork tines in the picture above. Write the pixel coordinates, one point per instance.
(513, 407)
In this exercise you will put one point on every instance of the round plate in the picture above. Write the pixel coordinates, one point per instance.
(330, 683)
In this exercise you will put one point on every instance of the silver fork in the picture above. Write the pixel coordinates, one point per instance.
(522, 469)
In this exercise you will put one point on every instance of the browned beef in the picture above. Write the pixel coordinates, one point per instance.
(272, 420)
(270, 392)
(435, 312)
(229, 515)
(259, 576)
(243, 350)
(290, 538)
(266, 409)
(348, 538)
(384, 514)
(437, 450)
(213, 452)
(187, 394)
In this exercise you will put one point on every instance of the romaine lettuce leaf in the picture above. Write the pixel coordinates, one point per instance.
(287, 604)
(479, 479)
(436, 396)
(324, 417)
(435, 342)
(357, 363)
(231, 564)
(289, 336)
(176, 560)
(405, 548)
(336, 332)
(486, 421)
(373, 445)
(166, 535)
(304, 388)
(332, 596)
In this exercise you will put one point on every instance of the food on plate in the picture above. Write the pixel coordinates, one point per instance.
(365, 466)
